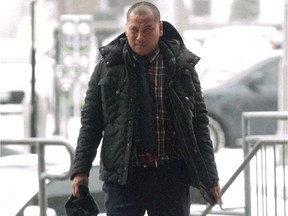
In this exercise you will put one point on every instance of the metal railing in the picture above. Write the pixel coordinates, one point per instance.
(40, 144)
(258, 141)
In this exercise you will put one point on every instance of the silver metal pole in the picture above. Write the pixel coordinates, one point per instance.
(246, 149)
(42, 197)
(33, 111)
(283, 73)
(180, 15)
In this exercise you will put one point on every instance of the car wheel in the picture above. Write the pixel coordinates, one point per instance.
(217, 134)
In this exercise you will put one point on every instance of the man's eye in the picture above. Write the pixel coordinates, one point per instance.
(133, 30)
(148, 30)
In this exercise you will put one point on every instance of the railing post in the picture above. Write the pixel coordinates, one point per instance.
(42, 197)
(247, 183)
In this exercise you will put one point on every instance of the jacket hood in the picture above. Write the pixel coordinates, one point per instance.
(170, 32)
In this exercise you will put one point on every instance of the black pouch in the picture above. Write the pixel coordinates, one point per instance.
(83, 206)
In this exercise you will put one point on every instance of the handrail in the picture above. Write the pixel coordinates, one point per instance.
(40, 144)
(260, 141)
(258, 145)
(247, 160)
(246, 130)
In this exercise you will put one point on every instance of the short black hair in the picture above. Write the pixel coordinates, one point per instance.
(143, 8)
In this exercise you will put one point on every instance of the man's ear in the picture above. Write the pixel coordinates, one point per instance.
(161, 28)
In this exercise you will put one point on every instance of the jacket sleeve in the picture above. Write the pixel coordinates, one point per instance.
(92, 126)
(201, 131)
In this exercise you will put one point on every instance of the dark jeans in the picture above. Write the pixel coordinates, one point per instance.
(162, 191)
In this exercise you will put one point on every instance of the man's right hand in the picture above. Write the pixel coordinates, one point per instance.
(79, 179)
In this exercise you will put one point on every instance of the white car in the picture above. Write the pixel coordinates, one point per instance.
(231, 47)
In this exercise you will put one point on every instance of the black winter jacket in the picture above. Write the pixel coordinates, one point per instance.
(110, 112)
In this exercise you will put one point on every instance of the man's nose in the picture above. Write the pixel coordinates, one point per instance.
(140, 36)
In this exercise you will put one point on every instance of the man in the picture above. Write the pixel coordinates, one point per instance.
(144, 98)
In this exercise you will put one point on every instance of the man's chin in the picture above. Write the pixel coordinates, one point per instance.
(140, 52)
(138, 49)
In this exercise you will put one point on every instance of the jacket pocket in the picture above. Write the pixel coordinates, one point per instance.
(110, 96)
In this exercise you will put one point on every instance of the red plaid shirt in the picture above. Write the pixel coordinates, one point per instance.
(166, 148)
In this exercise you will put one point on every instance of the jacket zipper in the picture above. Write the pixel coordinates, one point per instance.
(177, 119)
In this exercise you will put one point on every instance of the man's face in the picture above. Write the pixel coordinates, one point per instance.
(143, 33)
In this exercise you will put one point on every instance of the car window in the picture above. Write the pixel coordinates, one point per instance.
(270, 71)
(265, 73)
